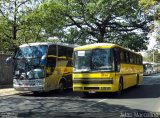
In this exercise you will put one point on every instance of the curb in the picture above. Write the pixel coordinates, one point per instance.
(8, 91)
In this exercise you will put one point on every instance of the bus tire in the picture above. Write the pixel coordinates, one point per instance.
(61, 86)
(120, 88)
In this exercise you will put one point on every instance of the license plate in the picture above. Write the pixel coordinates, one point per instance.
(26, 89)
(28, 83)
(92, 91)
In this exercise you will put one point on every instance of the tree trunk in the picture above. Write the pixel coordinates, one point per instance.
(14, 32)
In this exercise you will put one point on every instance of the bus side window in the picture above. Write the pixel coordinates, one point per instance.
(122, 56)
(69, 52)
(51, 61)
(131, 59)
(117, 59)
(52, 50)
(127, 57)
(51, 57)
(140, 60)
(62, 51)
(69, 57)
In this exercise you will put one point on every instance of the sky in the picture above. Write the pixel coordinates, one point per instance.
(152, 43)
(155, 33)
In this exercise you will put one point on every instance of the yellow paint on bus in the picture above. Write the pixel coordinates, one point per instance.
(91, 81)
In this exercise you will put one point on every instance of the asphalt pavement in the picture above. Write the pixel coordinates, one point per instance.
(141, 101)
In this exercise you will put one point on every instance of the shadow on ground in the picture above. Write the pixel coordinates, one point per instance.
(40, 107)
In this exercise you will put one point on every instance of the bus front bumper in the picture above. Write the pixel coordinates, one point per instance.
(28, 85)
(27, 88)
(95, 89)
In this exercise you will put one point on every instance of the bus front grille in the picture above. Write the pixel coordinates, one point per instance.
(93, 81)
(91, 88)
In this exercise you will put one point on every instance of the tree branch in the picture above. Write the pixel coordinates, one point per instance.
(22, 3)
(74, 22)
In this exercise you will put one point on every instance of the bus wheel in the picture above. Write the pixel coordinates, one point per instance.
(61, 86)
(120, 88)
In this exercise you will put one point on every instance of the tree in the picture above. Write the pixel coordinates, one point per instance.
(40, 25)
(116, 21)
(152, 56)
(152, 7)
(50, 18)
(12, 25)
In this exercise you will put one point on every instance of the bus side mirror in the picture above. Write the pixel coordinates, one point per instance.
(9, 61)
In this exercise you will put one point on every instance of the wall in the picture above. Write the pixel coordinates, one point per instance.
(6, 71)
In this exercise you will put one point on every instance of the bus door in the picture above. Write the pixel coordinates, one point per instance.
(117, 64)
(51, 74)
(62, 64)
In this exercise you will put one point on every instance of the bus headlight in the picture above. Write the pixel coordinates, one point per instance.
(15, 82)
(39, 82)
(17, 72)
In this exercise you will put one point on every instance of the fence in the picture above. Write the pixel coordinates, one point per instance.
(6, 71)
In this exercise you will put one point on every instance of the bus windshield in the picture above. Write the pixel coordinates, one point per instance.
(94, 60)
(30, 56)
(31, 51)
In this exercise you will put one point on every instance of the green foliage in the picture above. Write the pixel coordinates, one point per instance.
(152, 55)
(150, 6)
(89, 21)
(46, 20)
(107, 21)
(24, 21)
(147, 3)
(74, 21)
(11, 12)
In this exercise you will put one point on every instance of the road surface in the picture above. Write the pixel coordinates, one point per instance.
(140, 101)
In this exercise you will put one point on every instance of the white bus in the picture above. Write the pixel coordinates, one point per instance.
(42, 67)
(147, 68)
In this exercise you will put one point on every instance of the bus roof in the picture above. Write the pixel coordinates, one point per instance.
(95, 45)
(101, 45)
(46, 43)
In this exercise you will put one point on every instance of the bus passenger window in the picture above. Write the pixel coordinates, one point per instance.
(51, 62)
(122, 56)
(131, 58)
(61, 51)
(117, 59)
(127, 57)
(69, 52)
(52, 50)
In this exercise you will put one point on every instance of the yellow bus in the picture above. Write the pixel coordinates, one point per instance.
(105, 67)
(42, 67)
